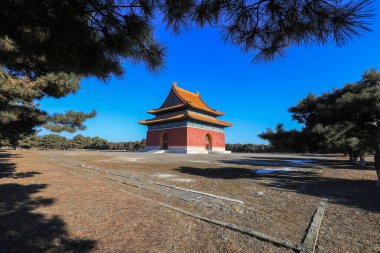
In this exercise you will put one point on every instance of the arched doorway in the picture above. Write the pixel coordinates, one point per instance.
(164, 141)
(208, 142)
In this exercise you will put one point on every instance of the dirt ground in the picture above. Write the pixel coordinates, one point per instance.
(92, 201)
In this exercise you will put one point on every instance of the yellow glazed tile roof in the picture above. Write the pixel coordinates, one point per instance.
(162, 119)
(193, 99)
(188, 98)
(184, 116)
(208, 119)
(167, 108)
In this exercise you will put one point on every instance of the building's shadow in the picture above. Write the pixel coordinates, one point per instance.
(360, 193)
(23, 228)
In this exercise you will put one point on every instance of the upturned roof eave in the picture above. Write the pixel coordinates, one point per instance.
(215, 112)
(160, 110)
(162, 119)
(209, 120)
(207, 108)
(156, 111)
(183, 116)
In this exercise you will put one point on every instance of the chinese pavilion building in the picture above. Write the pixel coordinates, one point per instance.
(185, 124)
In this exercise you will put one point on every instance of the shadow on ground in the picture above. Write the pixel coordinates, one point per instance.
(8, 169)
(360, 193)
(296, 162)
(22, 228)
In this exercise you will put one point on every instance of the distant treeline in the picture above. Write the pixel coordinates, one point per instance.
(249, 148)
(55, 141)
(283, 146)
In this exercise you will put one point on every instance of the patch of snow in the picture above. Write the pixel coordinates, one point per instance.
(272, 170)
(184, 180)
(267, 163)
(301, 162)
(175, 178)
(165, 175)
(260, 193)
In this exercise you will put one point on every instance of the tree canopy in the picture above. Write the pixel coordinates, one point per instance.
(91, 37)
(293, 140)
(55, 141)
(345, 119)
(47, 46)
(19, 105)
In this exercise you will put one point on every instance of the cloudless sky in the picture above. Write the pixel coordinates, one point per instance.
(253, 96)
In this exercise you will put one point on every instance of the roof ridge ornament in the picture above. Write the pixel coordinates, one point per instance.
(174, 83)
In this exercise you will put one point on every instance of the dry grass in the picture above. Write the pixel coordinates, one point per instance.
(69, 201)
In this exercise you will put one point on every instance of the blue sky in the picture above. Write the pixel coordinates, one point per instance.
(253, 96)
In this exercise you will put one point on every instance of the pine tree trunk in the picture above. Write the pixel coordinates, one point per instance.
(355, 160)
(377, 158)
(362, 161)
(377, 163)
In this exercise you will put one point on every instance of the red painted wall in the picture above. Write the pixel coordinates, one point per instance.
(176, 137)
(196, 137)
(186, 136)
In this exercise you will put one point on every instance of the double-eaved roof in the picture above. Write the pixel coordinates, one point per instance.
(180, 100)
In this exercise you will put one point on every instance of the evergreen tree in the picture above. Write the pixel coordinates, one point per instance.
(90, 37)
(19, 105)
(81, 141)
(350, 114)
(30, 141)
(54, 141)
(293, 140)
(98, 143)
(345, 138)
(47, 46)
